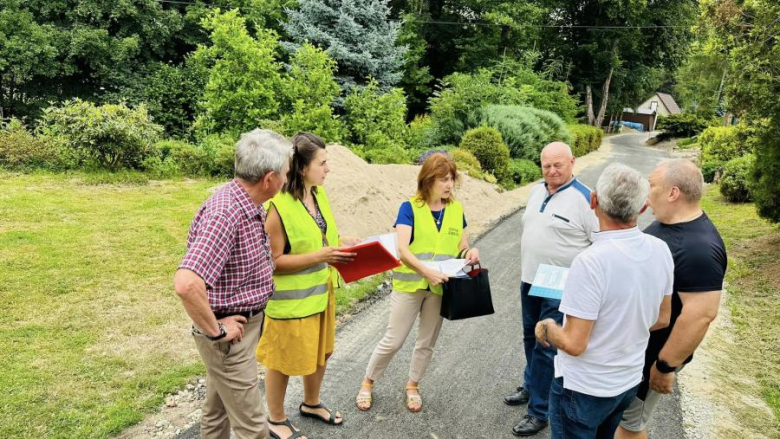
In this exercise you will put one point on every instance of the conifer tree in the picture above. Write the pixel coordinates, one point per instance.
(357, 34)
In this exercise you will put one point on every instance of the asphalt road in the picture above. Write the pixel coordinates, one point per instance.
(475, 363)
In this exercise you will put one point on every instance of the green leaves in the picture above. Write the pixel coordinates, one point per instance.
(243, 78)
(111, 136)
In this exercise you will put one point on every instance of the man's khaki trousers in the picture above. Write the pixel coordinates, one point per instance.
(233, 397)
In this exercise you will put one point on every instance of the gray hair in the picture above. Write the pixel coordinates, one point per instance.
(686, 176)
(259, 152)
(622, 191)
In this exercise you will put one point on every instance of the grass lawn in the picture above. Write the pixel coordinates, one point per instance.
(753, 284)
(92, 334)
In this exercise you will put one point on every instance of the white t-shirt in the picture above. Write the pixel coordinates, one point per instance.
(556, 228)
(620, 282)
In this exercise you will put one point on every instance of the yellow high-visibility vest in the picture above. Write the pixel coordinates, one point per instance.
(305, 292)
(430, 244)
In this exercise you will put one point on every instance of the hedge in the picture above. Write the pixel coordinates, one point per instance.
(525, 130)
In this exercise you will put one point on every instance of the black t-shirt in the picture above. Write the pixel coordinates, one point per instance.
(699, 266)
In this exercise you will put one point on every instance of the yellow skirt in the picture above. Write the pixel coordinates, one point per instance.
(296, 347)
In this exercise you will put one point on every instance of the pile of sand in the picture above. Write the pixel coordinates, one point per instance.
(366, 198)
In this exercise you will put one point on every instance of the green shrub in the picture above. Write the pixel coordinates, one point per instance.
(455, 105)
(585, 138)
(111, 136)
(765, 189)
(524, 171)
(468, 164)
(488, 147)
(421, 133)
(224, 164)
(309, 90)
(20, 150)
(318, 120)
(726, 143)
(525, 130)
(734, 183)
(376, 119)
(682, 124)
(388, 155)
(221, 150)
(710, 169)
(189, 159)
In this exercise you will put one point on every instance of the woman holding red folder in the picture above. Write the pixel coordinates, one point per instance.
(431, 226)
(300, 324)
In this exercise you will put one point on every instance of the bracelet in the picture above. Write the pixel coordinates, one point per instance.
(463, 253)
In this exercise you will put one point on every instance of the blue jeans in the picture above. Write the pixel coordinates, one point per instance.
(575, 415)
(539, 368)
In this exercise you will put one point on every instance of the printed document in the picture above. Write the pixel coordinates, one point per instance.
(549, 281)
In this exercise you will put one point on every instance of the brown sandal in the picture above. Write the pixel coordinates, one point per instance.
(413, 399)
(364, 398)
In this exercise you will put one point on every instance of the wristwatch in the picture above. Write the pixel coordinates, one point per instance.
(222, 333)
(663, 366)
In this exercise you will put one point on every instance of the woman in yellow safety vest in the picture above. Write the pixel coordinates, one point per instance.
(300, 323)
(430, 227)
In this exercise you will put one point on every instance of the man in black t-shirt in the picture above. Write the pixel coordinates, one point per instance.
(699, 267)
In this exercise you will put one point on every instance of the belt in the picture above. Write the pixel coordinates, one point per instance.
(247, 314)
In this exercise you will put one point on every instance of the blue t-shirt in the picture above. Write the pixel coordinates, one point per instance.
(406, 217)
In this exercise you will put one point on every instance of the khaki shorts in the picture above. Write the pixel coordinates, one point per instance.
(638, 414)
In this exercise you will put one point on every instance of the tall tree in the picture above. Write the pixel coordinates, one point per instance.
(601, 40)
(357, 34)
(749, 32)
(57, 49)
(244, 79)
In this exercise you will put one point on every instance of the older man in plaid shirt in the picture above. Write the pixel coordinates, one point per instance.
(225, 280)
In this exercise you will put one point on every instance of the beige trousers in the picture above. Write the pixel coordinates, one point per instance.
(405, 307)
(233, 398)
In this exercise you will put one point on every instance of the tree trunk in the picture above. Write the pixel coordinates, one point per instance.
(589, 104)
(604, 99)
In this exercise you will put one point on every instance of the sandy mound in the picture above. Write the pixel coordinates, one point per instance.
(366, 197)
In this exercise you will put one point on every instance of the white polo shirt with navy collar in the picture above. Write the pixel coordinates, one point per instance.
(556, 227)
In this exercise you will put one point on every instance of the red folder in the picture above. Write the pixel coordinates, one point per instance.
(371, 258)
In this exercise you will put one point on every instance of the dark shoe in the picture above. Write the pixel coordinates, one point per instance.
(331, 419)
(518, 398)
(295, 432)
(529, 426)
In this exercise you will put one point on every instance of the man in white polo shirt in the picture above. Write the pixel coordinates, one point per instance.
(557, 226)
(618, 290)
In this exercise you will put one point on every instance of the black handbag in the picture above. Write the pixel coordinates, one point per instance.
(466, 297)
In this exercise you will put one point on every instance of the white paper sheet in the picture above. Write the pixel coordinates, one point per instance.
(389, 241)
(450, 267)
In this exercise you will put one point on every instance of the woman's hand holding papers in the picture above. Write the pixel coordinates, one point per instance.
(472, 256)
(333, 255)
(434, 277)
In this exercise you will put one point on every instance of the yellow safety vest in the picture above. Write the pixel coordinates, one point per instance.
(305, 292)
(430, 244)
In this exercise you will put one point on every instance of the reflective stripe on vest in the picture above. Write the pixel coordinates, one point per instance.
(430, 244)
(304, 292)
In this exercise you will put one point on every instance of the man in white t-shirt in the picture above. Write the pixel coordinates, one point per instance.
(618, 290)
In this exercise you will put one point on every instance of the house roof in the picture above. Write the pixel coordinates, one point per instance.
(669, 102)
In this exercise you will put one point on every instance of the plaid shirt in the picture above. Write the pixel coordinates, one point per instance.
(227, 246)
